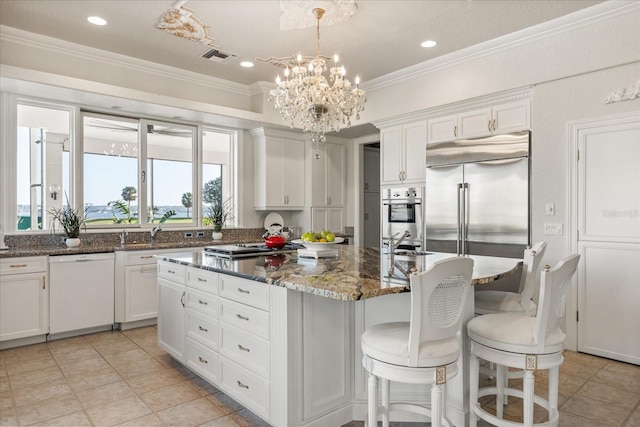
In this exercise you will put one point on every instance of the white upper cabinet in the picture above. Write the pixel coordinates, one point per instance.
(279, 171)
(480, 122)
(328, 175)
(403, 153)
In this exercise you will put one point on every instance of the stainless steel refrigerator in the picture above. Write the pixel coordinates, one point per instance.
(477, 196)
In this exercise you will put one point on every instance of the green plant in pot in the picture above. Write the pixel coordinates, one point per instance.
(217, 215)
(71, 220)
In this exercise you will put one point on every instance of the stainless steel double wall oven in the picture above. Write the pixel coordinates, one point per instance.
(402, 212)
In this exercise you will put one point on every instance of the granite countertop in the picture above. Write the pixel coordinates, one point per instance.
(355, 274)
(98, 248)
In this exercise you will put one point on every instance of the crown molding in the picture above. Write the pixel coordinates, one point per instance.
(63, 47)
(600, 12)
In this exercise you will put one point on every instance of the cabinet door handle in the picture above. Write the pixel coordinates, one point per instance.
(203, 302)
(44, 282)
(494, 124)
(203, 329)
(17, 265)
(242, 385)
(241, 317)
(243, 348)
(489, 125)
(202, 360)
(243, 291)
(455, 131)
(182, 299)
(171, 272)
(200, 279)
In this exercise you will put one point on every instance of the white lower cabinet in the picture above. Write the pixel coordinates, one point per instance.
(24, 298)
(283, 354)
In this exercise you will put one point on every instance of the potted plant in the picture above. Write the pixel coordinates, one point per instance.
(71, 220)
(217, 215)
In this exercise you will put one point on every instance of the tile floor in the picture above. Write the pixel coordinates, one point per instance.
(123, 378)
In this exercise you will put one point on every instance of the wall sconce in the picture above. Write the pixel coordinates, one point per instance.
(53, 189)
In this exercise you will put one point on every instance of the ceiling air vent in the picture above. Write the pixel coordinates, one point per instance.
(218, 56)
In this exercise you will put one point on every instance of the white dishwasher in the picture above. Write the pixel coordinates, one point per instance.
(81, 291)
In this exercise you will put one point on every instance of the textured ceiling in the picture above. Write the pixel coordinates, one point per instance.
(381, 37)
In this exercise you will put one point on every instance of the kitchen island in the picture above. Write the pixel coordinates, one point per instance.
(280, 333)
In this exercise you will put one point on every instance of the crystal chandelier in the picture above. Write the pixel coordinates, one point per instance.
(322, 103)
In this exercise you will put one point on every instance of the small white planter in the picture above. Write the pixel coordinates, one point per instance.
(216, 235)
(72, 242)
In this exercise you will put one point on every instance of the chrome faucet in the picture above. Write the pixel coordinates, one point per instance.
(394, 244)
(123, 236)
(155, 230)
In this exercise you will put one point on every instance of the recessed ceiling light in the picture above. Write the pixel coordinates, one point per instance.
(429, 43)
(96, 20)
(246, 64)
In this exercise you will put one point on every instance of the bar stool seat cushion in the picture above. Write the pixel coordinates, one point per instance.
(388, 342)
(512, 333)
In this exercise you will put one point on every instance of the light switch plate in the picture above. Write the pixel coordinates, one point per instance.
(553, 229)
(550, 209)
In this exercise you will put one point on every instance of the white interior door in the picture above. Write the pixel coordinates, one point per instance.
(609, 239)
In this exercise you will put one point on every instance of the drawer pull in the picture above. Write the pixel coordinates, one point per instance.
(202, 360)
(146, 257)
(242, 385)
(200, 279)
(243, 291)
(171, 271)
(203, 329)
(243, 348)
(17, 265)
(241, 317)
(203, 302)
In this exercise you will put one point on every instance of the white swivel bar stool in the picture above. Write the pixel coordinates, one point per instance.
(424, 350)
(522, 342)
(489, 302)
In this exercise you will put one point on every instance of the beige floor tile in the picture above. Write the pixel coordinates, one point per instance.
(106, 337)
(139, 367)
(167, 397)
(141, 333)
(106, 348)
(105, 394)
(67, 345)
(202, 386)
(619, 380)
(119, 412)
(224, 403)
(89, 380)
(32, 378)
(567, 419)
(28, 352)
(77, 419)
(228, 421)
(48, 409)
(622, 368)
(8, 417)
(609, 395)
(246, 418)
(609, 414)
(191, 413)
(39, 392)
(17, 366)
(584, 359)
(83, 366)
(634, 418)
(6, 400)
(155, 380)
(578, 369)
(125, 357)
(84, 351)
(151, 420)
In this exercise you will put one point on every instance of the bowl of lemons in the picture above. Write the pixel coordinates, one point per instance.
(314, 240)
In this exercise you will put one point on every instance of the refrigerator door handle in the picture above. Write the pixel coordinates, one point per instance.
(464, 221)
(460, 238)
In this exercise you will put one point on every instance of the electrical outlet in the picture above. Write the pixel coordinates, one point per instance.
(200, 234)
(188, 235)
(553, 229)
(550, 209)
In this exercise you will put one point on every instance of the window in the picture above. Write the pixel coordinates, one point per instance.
(42, 163)
(124, 171)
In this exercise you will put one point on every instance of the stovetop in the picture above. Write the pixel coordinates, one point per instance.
(242, 250)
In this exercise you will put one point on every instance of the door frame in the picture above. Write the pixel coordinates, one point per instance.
(574, 128)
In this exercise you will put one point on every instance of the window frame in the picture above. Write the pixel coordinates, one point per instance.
(8, 163)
